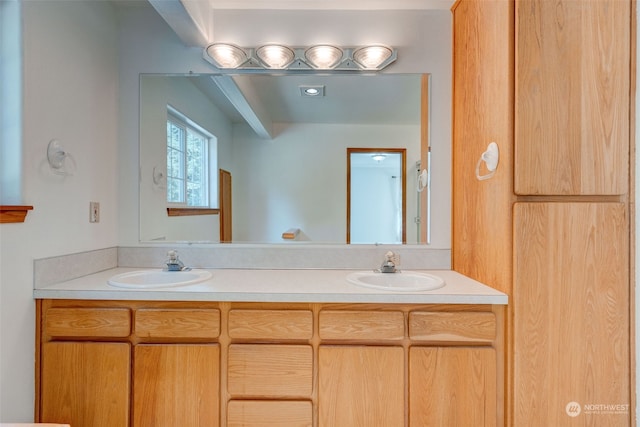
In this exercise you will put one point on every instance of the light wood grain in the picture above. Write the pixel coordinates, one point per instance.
(226, 206)
(453, 387)
(92, 322)
(361, 386)
(571, 319)
(361, 325)
(85, 384)
(482, 113)
(176, 385)
(11, 213)
(572, 87)
(177, 323)
(265, 413)
(464, 327)
(270, 324)
(270, 371)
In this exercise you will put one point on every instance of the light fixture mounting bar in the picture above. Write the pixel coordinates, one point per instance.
(312, 58)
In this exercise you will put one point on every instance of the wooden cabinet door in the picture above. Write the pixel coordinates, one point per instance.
(176, 385)
(85, 384)
(452, 386)
(572, 97)
(571, 316)
(361, 386)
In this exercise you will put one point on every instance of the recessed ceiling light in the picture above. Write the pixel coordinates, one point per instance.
(316, 90)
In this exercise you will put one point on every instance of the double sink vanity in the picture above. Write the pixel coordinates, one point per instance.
(257, 347)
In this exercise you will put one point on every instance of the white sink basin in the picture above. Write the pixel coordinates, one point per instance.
(144, 279)
(405, 281)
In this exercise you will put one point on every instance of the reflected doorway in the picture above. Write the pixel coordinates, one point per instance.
(376, 195)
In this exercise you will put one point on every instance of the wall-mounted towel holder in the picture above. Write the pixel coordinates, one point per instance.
(56, 156)
(490, 157)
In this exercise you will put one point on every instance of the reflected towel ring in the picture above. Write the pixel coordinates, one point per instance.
(57, 156)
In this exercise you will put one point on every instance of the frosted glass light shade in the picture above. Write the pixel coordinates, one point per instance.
(226, 55)
(275, 56)
(371, 57)
(323, 57)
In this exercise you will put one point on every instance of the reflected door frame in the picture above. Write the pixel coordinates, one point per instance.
(226, 225)
(403, 172)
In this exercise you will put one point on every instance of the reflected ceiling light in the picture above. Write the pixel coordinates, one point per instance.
(371, 57)
(226, 55)
(275, 56)
(317, 91)
(378, 157)
(323, 57)
(279, 57)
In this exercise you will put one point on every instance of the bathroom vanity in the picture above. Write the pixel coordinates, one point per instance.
(256, 348)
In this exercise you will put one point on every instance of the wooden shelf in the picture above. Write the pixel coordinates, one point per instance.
(13, 213)
(191, 211)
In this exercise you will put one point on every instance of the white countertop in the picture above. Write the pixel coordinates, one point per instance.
(246, 285)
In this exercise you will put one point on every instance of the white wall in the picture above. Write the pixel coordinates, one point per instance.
(302, 186)
(160, 91)
(70, 92)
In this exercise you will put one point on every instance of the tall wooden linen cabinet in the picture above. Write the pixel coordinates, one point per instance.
(552, 83)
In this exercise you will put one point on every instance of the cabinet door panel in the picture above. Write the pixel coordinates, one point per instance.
(572, 97)
(270, 371)
(571, 321)
(269, 413)
(361, 386)
(176, 385)
(452, 386)
(85, 384)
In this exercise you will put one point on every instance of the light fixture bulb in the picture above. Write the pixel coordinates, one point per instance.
(275, 56)
(226, 55)
(323, 57)
(371, 57)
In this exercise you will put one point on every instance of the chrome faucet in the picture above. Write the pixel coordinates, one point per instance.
(174, 263)
(389, 263)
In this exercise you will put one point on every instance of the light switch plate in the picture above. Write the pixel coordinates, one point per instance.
(94, 212)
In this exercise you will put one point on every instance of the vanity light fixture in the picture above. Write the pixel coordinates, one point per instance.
(275, 56)
(323, 57)
(226, 55)
(327, 57)
(370, 57)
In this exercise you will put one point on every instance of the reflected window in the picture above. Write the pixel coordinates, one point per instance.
(188, 147)
(11, 99)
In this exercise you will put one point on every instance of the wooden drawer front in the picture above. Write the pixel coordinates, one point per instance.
(271, 324)
(88, 322)
(177, 323)
(361, 325)
(460, 326)
(259, 413)
(261, 370)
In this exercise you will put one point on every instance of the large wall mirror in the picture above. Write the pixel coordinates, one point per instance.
(283, 152)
